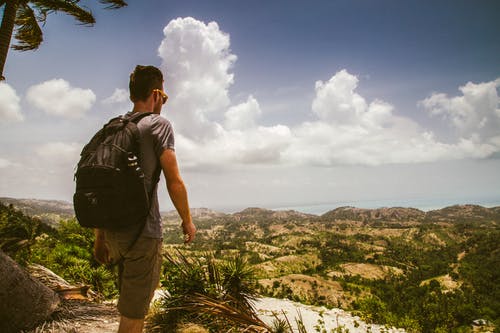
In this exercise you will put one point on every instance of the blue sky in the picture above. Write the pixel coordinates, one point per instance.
(291, 103)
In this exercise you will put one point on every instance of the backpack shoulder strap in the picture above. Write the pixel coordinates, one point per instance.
(135, 117)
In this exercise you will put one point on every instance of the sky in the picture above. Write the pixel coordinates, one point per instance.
(276, 104)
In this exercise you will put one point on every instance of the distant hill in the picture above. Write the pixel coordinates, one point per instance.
(400, 214)
(196, 214)
(464, 212)
(248, 214)
(261, 213)
(393, 214)
(49, 211)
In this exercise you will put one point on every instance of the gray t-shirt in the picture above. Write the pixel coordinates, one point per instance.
(156, 135)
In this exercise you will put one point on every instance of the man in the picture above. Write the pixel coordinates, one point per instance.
(139, 258)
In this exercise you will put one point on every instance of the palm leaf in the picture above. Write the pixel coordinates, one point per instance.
(28, 32)
(113, 4)
(70, 7)
(204, 304)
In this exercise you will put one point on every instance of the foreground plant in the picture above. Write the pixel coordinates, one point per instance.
(216, 294)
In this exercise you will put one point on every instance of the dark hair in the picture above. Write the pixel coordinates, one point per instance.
(142, 82)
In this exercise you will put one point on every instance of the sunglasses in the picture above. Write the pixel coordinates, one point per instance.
(164, 96)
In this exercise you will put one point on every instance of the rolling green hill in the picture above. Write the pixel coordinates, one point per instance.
(433, 271)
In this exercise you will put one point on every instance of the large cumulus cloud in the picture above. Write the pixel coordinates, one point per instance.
(197, 61)
(348, 129)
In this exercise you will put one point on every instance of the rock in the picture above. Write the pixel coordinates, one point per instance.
(64, 289)
(24, 301)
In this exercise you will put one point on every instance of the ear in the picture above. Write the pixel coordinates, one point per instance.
(155, 97)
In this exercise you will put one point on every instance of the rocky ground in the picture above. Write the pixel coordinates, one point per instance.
(76, 316)
(315, 318)
(84, 317)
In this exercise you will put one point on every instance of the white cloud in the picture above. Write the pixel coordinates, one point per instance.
(10, 109)
(351, 131)
(243, 115)
(57, 97)
(260, 145)
(476, 111)
(336, 100)
(59, 153)
(118, 96)
(197, 61)
(4, 163)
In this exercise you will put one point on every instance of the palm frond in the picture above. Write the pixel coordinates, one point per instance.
(205, 304)
(70, 7)
(217, 293)
(28, 33)
(113, 4)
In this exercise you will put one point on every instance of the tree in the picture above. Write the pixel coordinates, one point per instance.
(26, 15)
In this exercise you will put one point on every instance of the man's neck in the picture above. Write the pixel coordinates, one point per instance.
(140, 109)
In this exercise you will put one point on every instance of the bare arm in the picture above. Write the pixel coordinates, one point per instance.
(177, 191)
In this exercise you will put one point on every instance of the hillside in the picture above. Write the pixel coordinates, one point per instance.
(52, 210)
(424, 271)
(49, 211)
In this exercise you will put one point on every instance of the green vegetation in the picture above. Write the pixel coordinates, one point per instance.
(66, 250)
(438, 273)
(17, 233)
(418, 274)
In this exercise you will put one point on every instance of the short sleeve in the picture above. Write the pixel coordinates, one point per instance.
(163, 134)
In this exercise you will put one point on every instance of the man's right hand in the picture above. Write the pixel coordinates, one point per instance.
(178, 194)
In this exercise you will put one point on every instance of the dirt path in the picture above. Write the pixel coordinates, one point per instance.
(82, 317)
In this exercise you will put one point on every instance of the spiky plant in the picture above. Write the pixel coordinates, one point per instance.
(239, 282)
(215, 294)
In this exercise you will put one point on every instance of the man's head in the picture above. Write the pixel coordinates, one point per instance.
(143, 80)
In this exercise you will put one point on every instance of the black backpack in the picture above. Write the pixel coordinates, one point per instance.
(110, 188)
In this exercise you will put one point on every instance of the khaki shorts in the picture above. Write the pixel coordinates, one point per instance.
(139, 270)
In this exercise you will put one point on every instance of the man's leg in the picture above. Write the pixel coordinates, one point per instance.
(128, 325)
(139, 279)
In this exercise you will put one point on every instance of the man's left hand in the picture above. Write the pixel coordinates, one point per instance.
(189, 231)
